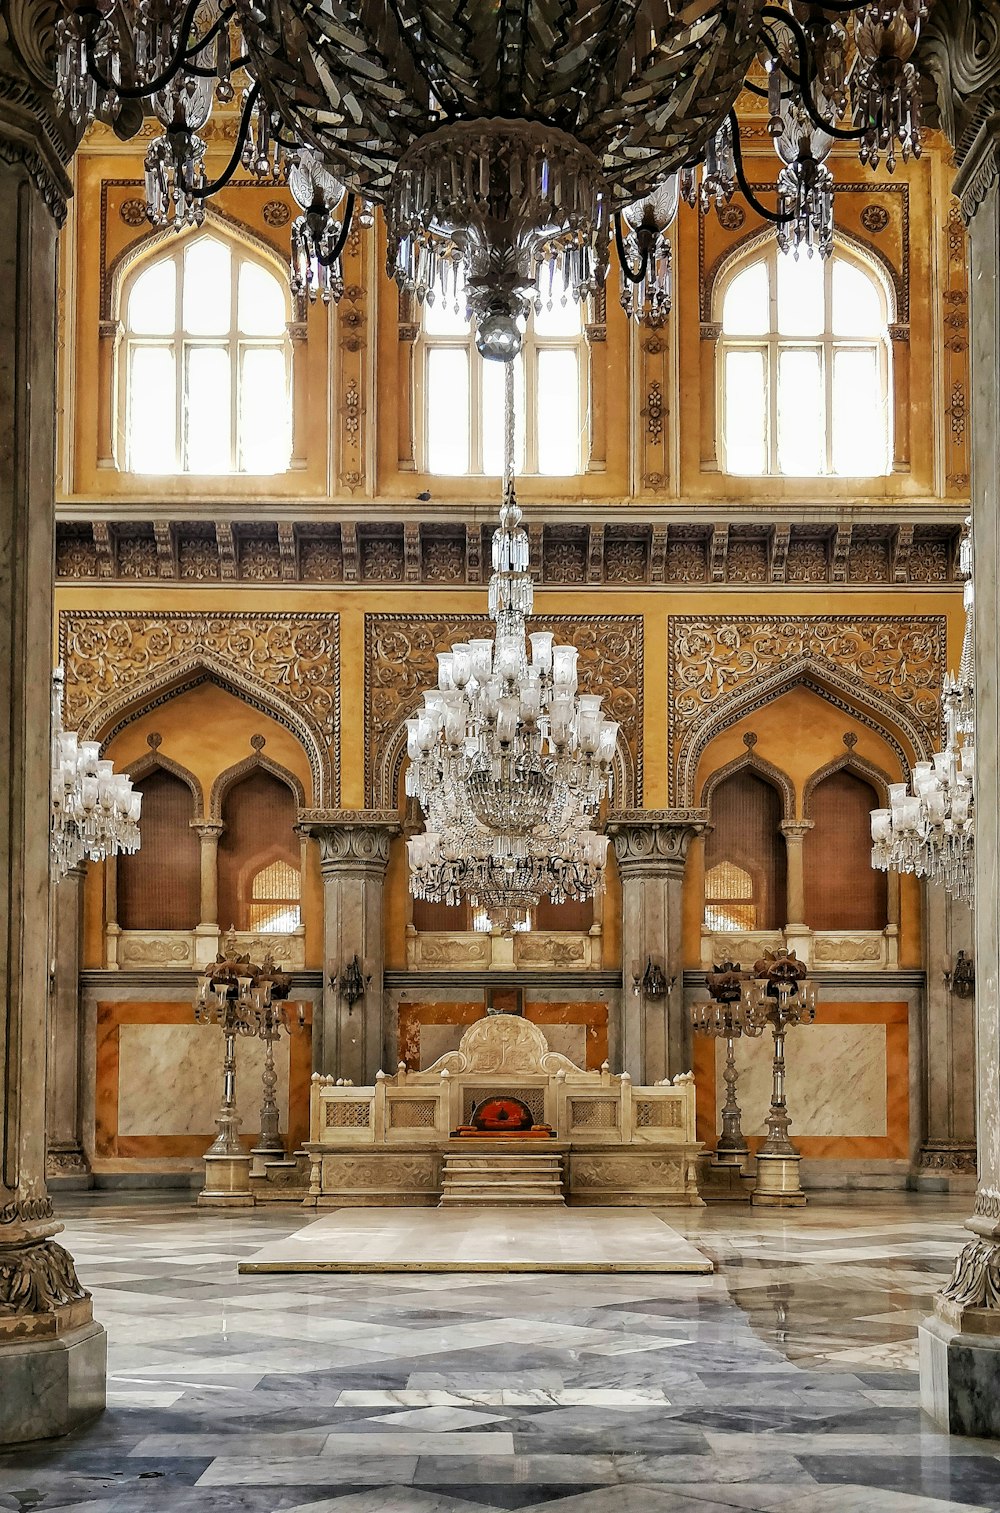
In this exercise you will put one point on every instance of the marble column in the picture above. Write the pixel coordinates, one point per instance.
(65, 1163)
(947, 1159)
(354, 853)
(207, 932)
(651, 847)
(52, 1353)
(797, 933)
(960, 1343)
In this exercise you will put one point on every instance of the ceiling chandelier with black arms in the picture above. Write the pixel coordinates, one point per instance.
(509, 143)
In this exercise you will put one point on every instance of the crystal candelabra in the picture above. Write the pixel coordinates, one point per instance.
(94, 810)
(508, 761)
(239, 996)
(508, 146)
(779, 995)
(931, 830)
(727, 1017)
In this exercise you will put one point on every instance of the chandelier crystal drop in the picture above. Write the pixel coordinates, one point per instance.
(508, 760)
(930, 831)
(94, 810)
(644, 253)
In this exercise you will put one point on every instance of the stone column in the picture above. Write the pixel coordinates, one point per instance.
(947, 1160)
(960, 1343)
(797, 933)
(207, 932)
(354, 852)
(52, 1353)
(65, 1163)
(651, 847)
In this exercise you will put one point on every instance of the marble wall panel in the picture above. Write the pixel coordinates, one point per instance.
(577, 1030)
(836, 1079)
(170, 1079)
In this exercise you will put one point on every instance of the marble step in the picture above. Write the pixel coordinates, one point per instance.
(491, 1178)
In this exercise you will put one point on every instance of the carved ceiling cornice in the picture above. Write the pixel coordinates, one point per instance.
(32, 131)
(616, 555)
(959, 56)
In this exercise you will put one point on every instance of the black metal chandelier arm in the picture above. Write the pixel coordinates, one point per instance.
(804, 77)
(774, 216)
(327, 260)
(173, 68)
(223, 19)
(203, 192)
(633, 277)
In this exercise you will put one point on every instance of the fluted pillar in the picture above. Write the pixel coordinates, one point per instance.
(354, 852)
(960, 1344)
(65, 1163)
(52, 1353)
(795, 832)
(651, 847)
(947, 1159)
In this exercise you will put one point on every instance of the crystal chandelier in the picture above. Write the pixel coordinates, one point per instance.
(931, 830)
(94, 810)
(508, 761)
(505, 141)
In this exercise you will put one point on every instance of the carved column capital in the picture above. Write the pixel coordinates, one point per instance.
(651, 842)
(796, 830)
(959, 56)
(351, 838)
(32, 131)
(208, 829)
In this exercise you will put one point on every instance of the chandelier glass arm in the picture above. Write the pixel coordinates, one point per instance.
(213, 187)
(633, 277)
(803, 78)
(774, 216)
(181, 56)
(326, 260)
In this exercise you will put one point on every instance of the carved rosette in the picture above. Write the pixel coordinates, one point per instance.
(37, 1277)
(651, 842)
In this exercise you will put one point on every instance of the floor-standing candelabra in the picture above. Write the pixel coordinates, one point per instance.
(273, 1021)
(780, 996)
(727, 1018)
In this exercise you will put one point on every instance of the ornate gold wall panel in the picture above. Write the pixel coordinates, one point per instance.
(886, 671)
(286, 665)
(401, 661)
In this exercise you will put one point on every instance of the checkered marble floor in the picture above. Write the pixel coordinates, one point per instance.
(785, 1382)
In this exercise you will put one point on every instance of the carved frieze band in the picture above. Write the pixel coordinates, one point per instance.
(401, 661)
(287, 666)
(436, 554)
(885, 671)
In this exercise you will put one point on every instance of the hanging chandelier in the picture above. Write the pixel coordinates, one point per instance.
(931, 830)
(94, 810)
(507, 142)
(508, 760)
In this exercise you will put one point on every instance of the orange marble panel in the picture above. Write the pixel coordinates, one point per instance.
(894, 1144)
(109, 1143)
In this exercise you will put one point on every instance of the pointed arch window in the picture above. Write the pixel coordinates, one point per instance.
(729, 898)
(205, 363)
(804, 367)
(275, 899)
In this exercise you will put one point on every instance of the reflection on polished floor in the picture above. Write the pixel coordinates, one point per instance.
(786, 1381)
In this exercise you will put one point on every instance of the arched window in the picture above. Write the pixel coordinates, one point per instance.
(205, 372)
(258, 853)
(841, 893)
(159, 888)
(460, 395)
(729, 898)
(804, 360)
(745, 864)
(275, 894)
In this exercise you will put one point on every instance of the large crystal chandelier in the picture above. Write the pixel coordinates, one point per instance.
(931, 830)
(94, 811)
(508, 761)
(504, 140)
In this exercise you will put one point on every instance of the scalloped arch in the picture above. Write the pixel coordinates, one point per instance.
(848, 762)
(257, 762)
(764, 769)
(155, 760)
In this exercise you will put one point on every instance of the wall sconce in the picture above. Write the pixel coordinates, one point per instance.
(350, 984)
(961, 978)
(653, 983)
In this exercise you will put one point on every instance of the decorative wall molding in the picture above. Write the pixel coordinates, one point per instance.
(438, 554)
(885, 671)
(401, 661)
(286, 666)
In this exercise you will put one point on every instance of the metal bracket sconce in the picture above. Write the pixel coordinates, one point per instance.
(960, 979)
(653, 983)
(351, 984)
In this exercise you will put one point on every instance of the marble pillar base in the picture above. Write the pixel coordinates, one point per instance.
(960, 1373)
(53, 1379)
(778, 1184)
(227, 1182)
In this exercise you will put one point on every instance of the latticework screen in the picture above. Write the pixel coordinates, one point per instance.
(159, 888)
(259, 814)
(843, 890)
(746, 815)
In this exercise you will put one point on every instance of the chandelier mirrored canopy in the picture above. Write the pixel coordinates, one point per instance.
(930, 830)
(511, 141)
(94, 810)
